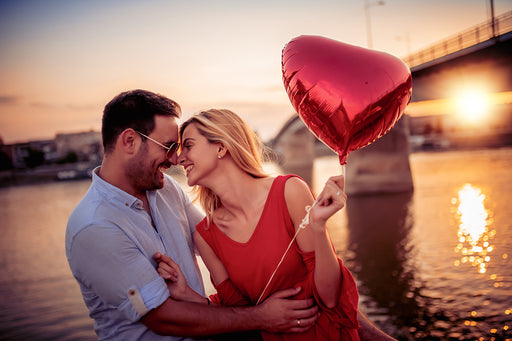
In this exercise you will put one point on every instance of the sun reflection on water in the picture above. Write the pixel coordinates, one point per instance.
(473, 235)
(474, 245)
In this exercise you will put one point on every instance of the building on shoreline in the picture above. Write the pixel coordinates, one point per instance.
(84, 147)
(68, 156)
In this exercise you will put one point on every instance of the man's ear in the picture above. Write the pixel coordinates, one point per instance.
(129, 141)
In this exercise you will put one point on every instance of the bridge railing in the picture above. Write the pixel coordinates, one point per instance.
(465, 39)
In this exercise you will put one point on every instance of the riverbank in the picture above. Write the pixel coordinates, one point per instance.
(51, 173)
(83, 170)
(47, 173)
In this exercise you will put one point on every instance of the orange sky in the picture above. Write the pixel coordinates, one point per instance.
(62, 61)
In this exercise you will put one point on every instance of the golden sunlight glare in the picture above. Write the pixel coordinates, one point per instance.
(472, 105)
(473, 234)
(472, 212)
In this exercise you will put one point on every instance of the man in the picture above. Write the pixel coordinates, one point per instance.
(133, 210)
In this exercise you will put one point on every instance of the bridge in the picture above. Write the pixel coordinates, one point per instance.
(479, 55)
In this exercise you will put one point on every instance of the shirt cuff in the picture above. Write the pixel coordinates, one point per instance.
(140, 301)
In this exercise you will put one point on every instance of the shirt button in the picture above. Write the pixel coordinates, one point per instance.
(126, 204)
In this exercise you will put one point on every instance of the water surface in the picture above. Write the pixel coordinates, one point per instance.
(431, 264)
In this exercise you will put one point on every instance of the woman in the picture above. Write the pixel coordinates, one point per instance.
(252, 219)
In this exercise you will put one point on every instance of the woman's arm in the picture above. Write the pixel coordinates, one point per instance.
(214, 265)
(315, 236)
(227, 293)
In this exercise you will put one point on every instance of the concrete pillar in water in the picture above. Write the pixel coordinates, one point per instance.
(296, 150)
(383, 166)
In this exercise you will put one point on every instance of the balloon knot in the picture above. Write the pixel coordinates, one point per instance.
(305, 220)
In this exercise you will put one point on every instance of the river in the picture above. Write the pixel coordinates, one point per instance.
(431, 264)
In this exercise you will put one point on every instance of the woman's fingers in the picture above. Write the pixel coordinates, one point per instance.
(167, 268)
(330, 200)
(333, 192)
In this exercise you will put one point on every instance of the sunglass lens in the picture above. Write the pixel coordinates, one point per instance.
(173, 149)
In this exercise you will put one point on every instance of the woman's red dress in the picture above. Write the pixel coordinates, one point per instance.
(251, 264)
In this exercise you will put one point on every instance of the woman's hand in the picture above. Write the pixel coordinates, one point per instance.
(176, 281)
(331, 199)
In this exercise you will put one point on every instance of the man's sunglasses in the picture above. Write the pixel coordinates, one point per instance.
(170, 150)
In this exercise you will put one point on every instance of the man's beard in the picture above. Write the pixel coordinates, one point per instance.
(144, 176)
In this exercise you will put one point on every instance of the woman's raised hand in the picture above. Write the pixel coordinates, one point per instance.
(329, 201)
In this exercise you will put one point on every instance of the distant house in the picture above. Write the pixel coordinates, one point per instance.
(86, 145)
(29, 154)
(83, 146)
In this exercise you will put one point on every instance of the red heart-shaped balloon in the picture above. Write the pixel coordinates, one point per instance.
(348, 96)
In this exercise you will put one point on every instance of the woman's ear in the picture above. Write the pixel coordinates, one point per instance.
(221, 150)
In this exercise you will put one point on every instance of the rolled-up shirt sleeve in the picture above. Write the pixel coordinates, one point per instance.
(105, 260)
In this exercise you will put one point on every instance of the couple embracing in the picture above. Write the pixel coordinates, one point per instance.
(132, 239)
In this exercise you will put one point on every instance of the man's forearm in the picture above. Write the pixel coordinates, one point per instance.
(196, 319)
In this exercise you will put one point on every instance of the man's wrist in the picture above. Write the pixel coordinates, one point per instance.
(259, 317)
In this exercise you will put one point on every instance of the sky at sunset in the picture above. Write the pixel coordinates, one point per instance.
(61, 61)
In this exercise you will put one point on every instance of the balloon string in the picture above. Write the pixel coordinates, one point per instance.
(303, 225)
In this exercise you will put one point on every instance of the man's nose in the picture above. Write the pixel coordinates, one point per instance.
(173, 159)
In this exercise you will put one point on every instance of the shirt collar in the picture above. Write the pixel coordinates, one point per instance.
(114, 193)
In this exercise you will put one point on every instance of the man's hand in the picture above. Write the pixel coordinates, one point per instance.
(281, 314)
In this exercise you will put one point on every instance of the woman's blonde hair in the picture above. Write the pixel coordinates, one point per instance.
(242, 143)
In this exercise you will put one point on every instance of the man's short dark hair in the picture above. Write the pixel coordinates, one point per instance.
(134, 109)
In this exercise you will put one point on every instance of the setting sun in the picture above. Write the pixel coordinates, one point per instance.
(472, 105)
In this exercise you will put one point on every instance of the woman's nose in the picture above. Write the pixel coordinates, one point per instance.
(181, 158)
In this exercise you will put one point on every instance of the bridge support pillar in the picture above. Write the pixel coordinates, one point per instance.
(383, 166)
(297, 153)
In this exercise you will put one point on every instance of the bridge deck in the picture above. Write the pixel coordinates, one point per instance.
(476, 35)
